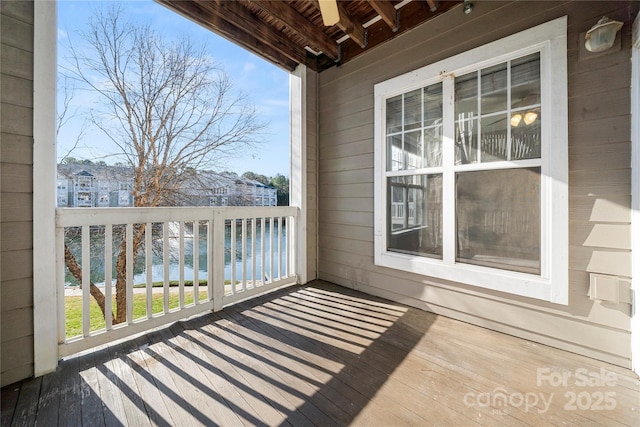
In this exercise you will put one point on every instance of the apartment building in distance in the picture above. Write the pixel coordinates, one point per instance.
(80, 185)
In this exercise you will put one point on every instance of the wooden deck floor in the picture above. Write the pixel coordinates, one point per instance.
(324, 355)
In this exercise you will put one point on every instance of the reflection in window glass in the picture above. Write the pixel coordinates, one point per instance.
(415, 215)
(525, 81)
(498, 219)
(412, 109)
(466, 94)
(526, 137)
(433, 146)
(494, 89)
(395, 159)
(494, 129)
(394, 114)
(494, 138)
(433, 105)
(414, 129)
(466, 141)
(466, 111)
(414, 153)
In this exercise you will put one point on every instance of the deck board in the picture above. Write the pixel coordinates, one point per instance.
(91, 403)
(320, 355)
(70, 394)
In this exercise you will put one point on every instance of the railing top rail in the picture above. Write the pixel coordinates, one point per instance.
(71, 217)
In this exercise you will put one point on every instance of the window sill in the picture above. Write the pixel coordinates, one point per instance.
(512, 282)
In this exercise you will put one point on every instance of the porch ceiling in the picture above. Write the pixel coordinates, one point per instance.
(291, 32)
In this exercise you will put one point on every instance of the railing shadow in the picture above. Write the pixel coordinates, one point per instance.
(303, 355)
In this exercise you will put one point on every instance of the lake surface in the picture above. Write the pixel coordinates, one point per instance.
(157, 269)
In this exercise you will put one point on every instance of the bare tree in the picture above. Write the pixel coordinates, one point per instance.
(66, 112)
(168, 108)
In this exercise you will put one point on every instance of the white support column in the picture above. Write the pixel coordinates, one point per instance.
(298, 176)
(45, 333)
(635, 196)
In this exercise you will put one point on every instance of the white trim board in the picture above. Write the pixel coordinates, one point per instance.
(298, 143)
(635, 195)
(45, 342)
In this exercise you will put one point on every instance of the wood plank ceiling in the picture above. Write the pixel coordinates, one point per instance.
(291, 32)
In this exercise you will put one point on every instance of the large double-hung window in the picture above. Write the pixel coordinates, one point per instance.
(471, 167)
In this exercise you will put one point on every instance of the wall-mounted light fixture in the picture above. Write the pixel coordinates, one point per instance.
(602, 35)
(468, 7)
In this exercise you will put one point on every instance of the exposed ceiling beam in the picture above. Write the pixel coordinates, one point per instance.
(297, 23)
(413, 13)
(208, 19)
(433, 5)
(240, 17)
(353, 28)
(387, 12)
(350, 26)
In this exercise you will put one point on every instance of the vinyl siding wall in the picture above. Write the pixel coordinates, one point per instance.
(599, 176)
(16, 160)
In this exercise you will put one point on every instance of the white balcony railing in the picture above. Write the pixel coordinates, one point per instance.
(239, 252)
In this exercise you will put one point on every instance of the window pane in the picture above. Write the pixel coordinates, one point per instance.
(466, 110)
(525, 81)
(433, 146)
(526, 136)
(494, 89)
(414, 214)
(433, 105)
(466, 142)
(413, 150)
(394, 153)
(394, 114)
(494, 138)
(498, 219)
(413, 109)
(466, 94)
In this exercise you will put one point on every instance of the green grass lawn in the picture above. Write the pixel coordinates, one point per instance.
(73, 309)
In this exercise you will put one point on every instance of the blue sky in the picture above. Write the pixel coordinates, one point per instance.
(266, 85)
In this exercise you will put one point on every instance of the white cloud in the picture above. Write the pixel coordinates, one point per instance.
(284, 103)
(248, 67)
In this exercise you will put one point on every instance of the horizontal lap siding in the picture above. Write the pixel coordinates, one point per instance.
(16, 189)
(599, 177)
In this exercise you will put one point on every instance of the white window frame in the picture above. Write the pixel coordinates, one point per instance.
(552, 283)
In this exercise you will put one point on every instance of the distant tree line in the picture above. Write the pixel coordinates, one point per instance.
(280, 182)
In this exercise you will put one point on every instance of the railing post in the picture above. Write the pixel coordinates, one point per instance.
(216, 259)
(210, 256)
(60, 270)
(130, 267)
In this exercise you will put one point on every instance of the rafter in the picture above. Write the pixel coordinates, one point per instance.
(387, 12)
(353, 28)
(296, 22)
(240, 17)
(350, 26)
(413, 13)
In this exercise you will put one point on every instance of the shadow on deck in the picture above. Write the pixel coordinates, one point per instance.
(324, 355)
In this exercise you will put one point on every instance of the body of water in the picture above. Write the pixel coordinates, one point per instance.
(157, 269)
